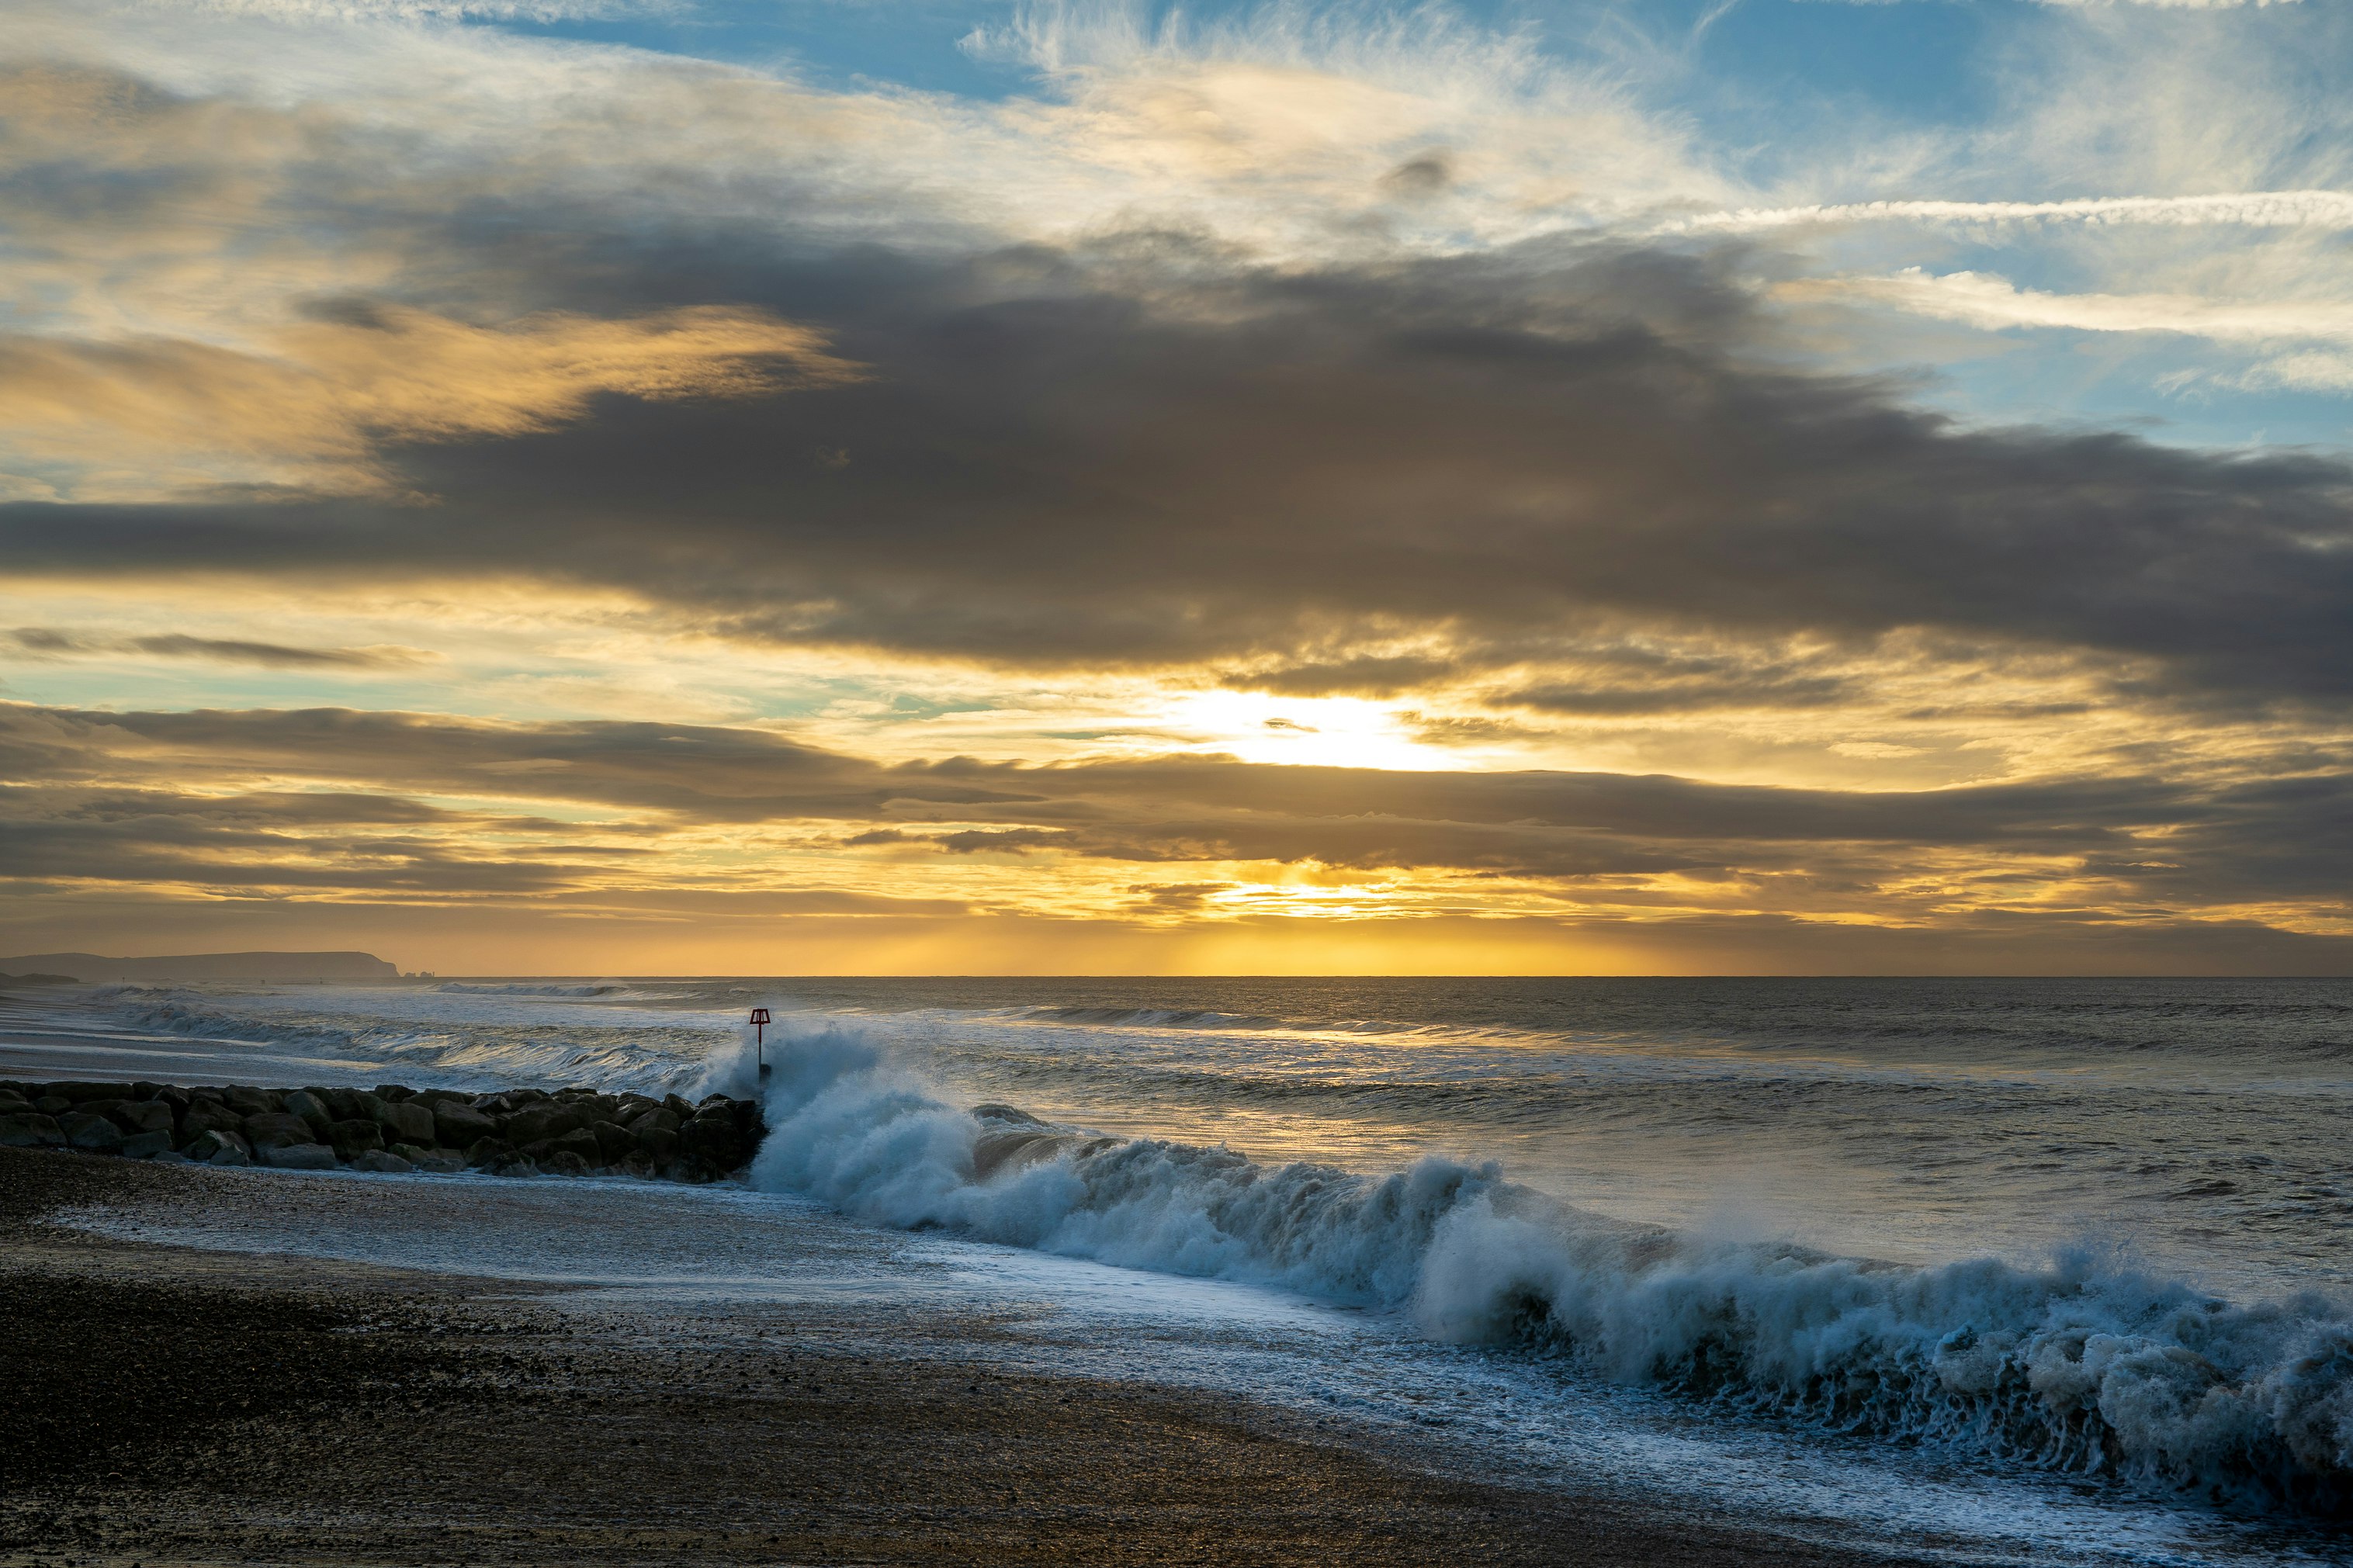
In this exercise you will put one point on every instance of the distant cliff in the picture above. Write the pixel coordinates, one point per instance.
(90, 968)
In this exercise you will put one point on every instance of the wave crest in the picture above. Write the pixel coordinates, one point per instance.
(2096, 1373)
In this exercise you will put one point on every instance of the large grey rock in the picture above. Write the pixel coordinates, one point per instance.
(613, 1140)
(310, 1108)
(209, 1116)
(142, 1116)
(404, 1122)
(300, 1157)
(489, 1153)
(710, 1135)
(382, 1162)
(31, 1129)
(658, 1143)
(352, 1104)
(564, 1162)
(441, 1162)
(14, 1104)
(459, 1125)
(541, 1121)
(246, 1100)
(659, 1116)
(353, 1137)
(277, 1129)
(516, 1166)
(677, 1107)
(95, 1133)
(145, 1145)
(583, 1141)
(218, 1147)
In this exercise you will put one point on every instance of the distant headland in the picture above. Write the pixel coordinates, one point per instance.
(92, 969)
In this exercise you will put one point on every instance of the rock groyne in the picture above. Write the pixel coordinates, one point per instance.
(389, 1129)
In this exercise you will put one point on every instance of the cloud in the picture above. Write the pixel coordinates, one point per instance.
(148, 417)
(1061, 461)
(2329, 211)
(48, 643)
(2139, 846)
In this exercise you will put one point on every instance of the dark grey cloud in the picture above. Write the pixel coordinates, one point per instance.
(1154, 455)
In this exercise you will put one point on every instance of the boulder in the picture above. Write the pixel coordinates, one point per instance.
(300, 1157)
(516, 1165)
(677, 1107)
(30, 1130)
(489, 1153)
(381, 1162)
(219, 1147)
(564, 1163)
(169, 1157)
(14, 1104)
(440, 1163)
(310, 1107)
(146, 1145)
(352, 1138)
(658, 1143)
(658, 1117)
(143, 1089)
(277, 1129)
(459, 1125)
(613, 1140)
(142, 1116)
(393, 1091)
(712, 1136)
(53, 1105)
(352, 1104)
(85, 1130)
(404, 1122)
(247, 1101)
(209, 1116)
(583, 1141)
(540, 1122)
(694, 1171)
(645, 1167)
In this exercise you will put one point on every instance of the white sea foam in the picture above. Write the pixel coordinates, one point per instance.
(2069, 1368)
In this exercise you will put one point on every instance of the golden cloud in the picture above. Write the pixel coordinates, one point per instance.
(151, 416)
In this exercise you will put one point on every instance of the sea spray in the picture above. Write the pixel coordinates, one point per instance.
(2100, 1374)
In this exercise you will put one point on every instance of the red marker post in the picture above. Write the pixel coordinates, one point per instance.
(760, 1022)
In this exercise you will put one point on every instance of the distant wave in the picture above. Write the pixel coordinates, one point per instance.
(576, 988)
(2070, 1369)
(474, 1056)
(1204, 1019)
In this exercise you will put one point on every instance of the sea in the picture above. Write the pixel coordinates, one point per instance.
(2017, 1271)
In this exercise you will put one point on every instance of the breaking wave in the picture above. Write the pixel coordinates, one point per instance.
(2072, 1369)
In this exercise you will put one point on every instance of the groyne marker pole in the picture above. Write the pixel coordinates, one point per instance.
(760, 1022)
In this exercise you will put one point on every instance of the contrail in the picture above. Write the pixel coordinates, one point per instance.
(2259, 209)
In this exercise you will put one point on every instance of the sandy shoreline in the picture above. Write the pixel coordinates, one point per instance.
(178, 1405)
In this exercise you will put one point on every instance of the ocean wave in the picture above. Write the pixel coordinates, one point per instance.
(1208, 1018)
(455, 1056)
(2073, 1369)
(612, 988)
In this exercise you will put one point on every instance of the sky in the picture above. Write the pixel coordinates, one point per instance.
(978, 486)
